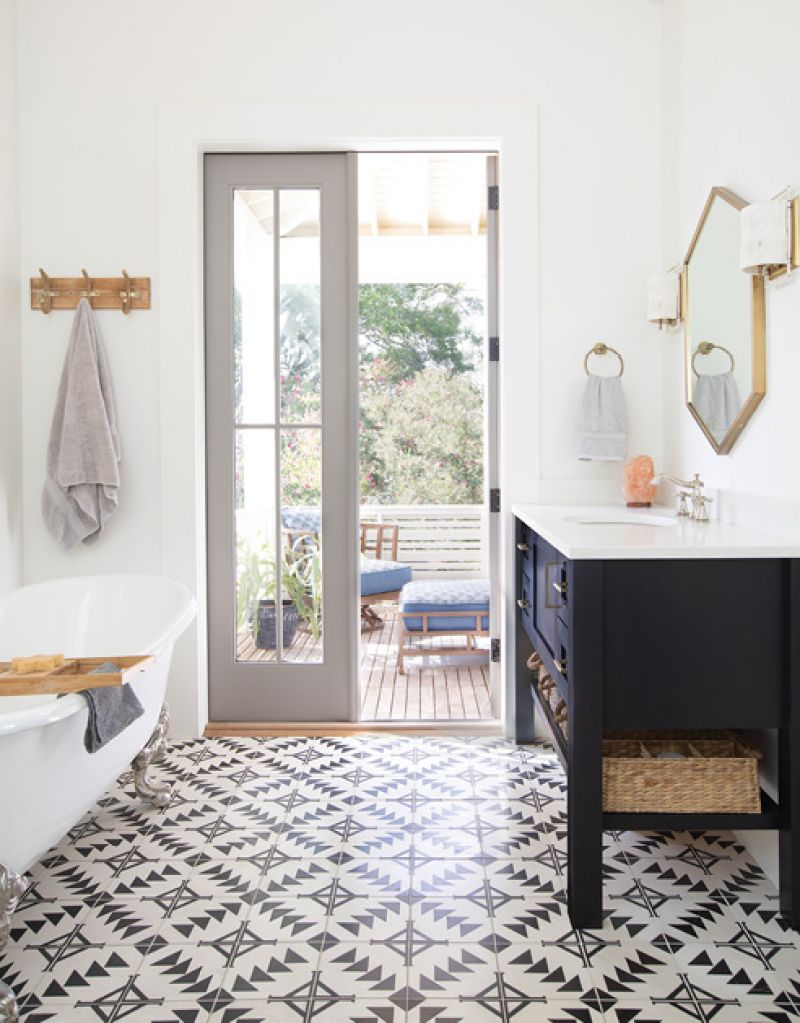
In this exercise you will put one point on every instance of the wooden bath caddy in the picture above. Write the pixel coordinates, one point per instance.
(71, 677)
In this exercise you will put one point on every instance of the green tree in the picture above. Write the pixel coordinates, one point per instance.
(300, 331)
(421, 422)
(411, 326)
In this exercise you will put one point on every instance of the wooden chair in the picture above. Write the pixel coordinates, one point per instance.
(379, 540)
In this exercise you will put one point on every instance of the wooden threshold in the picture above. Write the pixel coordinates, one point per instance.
(257, 729)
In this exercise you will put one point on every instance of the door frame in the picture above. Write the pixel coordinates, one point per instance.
(185, 133)
(491, 522)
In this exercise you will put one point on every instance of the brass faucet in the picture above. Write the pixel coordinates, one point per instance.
(693, 491)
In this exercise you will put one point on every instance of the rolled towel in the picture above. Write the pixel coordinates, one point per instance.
(111, 710)
(603, 422)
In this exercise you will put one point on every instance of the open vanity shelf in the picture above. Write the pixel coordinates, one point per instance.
(767, 820)
(684, 631)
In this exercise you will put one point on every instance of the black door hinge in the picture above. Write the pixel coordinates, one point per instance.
(494, 499)
(494, 197)
(494, 349)
(495, 649)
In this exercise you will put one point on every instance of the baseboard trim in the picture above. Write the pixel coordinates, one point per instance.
(257, 729)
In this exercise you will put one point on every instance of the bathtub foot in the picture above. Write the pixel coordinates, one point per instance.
(159, 793)
(9, 1012)
(12, 888)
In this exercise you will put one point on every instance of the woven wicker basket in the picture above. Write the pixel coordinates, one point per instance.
(715, 775)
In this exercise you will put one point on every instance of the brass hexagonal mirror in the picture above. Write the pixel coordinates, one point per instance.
(724, 326)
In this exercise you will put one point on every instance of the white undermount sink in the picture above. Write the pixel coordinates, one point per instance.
(621, 518)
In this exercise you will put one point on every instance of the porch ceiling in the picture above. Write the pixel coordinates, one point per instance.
(405, 194)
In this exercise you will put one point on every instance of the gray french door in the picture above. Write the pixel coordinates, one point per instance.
(281, 431)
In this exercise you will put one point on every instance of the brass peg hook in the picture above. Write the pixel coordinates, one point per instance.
(46, 293)
(128, 294)
(90, 293)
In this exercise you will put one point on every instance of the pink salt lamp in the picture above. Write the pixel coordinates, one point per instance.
(637, 489)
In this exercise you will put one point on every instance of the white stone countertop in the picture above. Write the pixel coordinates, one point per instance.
(616, 532)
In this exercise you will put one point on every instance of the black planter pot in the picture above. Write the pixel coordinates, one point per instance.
(265, 631)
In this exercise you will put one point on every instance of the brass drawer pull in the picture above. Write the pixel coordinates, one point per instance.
(561, 665)
(522, 546)
(523, 604)
(548, 582)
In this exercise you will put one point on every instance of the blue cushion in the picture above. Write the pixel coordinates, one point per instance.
(383, 576)
(447, 595)
(302, 518)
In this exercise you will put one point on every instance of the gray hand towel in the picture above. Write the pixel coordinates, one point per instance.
(111, 710)
(80, 491)
(716, 398)
(603, 423)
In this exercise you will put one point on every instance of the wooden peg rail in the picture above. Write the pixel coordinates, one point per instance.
(125, 293)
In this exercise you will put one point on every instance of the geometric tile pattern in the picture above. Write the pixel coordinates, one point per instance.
(385, 879)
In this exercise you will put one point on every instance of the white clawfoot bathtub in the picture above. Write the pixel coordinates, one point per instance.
(47, 779)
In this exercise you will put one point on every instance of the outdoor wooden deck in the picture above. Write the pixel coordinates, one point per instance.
(455, 690)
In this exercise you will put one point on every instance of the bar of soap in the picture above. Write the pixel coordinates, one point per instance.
(36, 663)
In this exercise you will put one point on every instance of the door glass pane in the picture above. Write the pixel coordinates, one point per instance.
(294, 635)
(301, 522)
(254, 306)
(256, 551)
(300, 305)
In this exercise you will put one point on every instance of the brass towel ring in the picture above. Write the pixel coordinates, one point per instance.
(705, 348)
(601, 348)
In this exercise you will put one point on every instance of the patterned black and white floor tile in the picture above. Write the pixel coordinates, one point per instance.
(385, 879)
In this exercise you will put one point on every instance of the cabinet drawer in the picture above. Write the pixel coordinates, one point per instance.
(550, 573)
(525, 599)
(561, 658)
(525, 546)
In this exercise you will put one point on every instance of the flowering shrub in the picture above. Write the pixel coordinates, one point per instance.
(421, 441)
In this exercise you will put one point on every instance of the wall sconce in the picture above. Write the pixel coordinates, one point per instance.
(663, 299)
(770, 236)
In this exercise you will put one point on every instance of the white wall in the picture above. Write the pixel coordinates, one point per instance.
(730, 116)
(10, 477)
(89, 197)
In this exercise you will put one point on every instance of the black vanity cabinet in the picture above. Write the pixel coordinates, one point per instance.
(643, 643)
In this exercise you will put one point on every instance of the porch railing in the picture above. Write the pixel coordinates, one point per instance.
(436, 540)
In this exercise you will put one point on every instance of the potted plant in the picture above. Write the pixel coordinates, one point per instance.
(256, 592)
(256, 595)
(302, 580)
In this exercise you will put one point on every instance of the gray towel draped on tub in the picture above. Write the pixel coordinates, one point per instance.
(81, 488)
(111, 710)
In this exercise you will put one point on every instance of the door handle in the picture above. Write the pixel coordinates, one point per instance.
(522, 604)
(522, 546)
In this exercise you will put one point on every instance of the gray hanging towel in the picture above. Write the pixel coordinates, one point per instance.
(716, 400)
(82, 483)
(603, 421)
(111, 710)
